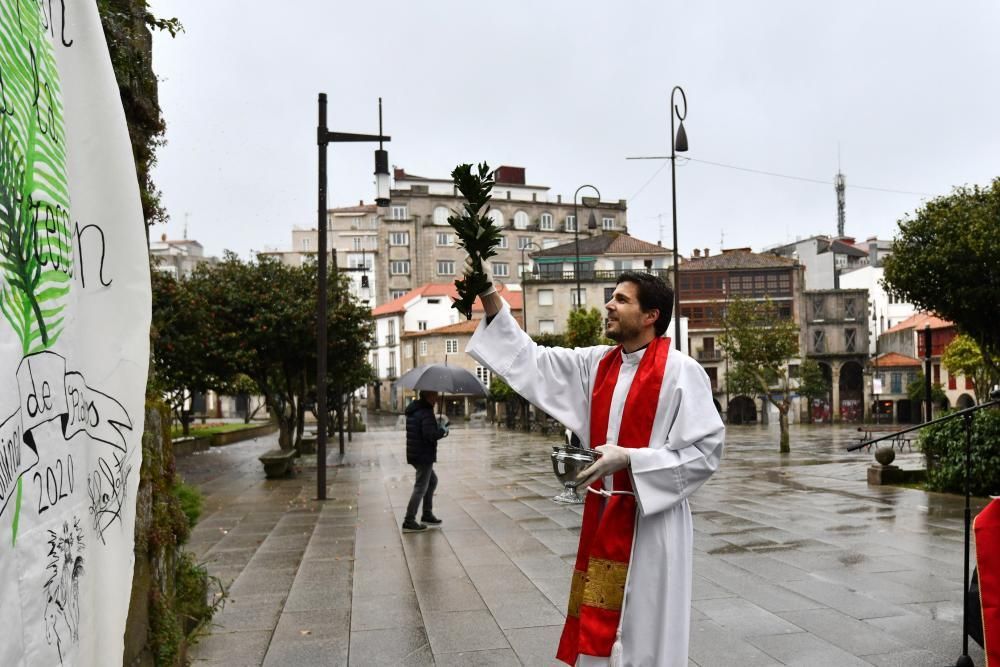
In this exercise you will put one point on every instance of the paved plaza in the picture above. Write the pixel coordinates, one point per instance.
(797, 560)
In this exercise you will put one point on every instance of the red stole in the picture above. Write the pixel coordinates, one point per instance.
(602, 559)
(987, 529)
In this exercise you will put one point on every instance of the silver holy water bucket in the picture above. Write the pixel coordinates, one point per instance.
(567, 464)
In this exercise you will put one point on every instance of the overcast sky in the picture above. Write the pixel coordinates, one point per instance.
(907, 89)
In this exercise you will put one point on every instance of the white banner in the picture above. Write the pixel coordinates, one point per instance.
(74, 339)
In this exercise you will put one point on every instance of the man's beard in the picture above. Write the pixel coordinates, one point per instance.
(622, 333)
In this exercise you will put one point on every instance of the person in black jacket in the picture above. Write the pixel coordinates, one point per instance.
(422, 435)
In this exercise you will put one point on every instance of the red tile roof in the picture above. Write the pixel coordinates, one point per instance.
(514, 298)
(895, 359)
(741, 258)
(921, 320)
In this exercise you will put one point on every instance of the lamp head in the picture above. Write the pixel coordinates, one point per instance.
(381, 178)
(681, 143)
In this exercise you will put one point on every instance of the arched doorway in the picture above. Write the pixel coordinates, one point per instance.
(820, 407)
(742, 411)
(852, 392)
(964, 401)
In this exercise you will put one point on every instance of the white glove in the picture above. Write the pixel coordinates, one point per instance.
(613, 458)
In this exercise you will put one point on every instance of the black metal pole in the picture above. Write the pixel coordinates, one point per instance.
(576, 239)
(964, 660)
(321, 418)
(673, 196)
(927, 373)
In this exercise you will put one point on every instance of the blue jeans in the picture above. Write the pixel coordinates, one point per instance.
(423, 489)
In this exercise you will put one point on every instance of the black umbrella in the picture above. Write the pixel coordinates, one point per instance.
(442, 378)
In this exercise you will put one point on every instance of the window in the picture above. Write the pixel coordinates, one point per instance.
(390, 334)
(579, 298)
(523, 269)
(551, 269)
(851, 340)
(817, 307)
(396, 293)
(546, 222)
(522, 242)
(819, 341)
(483, 375)
(374, 363)
(398, 238)
(440, 215)
(968, 383)
(793, 370)
(626, 265)
(549, 243)
(451, 346)
(500, 269)
(503, 242)
(607, 223)
(398, 212)
(306, 244)
(850, 308)
(358, 242)
(608, 293)
(713, 376)
(422, 325)
(359, 261)
(444, 239)
(392, 364)
(570, 223)
(497, 217)
(937, 374)
(446, 267)
(399, 267)
(545, 297)
(520, 220)
(952, 381)
(896, 383)
(546, 326)
(423, 348)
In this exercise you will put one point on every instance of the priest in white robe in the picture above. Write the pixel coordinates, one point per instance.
(649, 410)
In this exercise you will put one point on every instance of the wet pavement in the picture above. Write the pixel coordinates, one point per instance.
(797, 560)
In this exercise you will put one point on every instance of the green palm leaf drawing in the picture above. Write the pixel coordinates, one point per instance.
(35, 239)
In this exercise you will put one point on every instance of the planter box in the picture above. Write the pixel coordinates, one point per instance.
(221, 439)
(190, 445)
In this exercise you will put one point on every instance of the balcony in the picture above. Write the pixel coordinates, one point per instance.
(589, 275)
(390, 339)
(391, 373)
(709, 355)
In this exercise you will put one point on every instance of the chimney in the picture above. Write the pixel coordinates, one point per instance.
(510, 175)
(873, 251)
(696, 253)
(706, 252)
(361, 202)
(163, 237)
(558, 199)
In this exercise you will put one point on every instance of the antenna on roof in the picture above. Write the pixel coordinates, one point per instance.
(186, 216)
(839, 184)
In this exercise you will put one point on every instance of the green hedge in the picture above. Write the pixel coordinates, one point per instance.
(944, 447)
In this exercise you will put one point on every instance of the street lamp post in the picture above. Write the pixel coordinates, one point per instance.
(876, 380)
(591, 224)
(323, 138)
(678, 144)
(524, 292)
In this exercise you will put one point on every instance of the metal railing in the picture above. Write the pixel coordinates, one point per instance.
(390, 339)
(709, 355)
